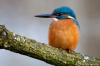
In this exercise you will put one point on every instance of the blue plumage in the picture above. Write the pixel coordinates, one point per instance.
(65, 10)
(60, 13)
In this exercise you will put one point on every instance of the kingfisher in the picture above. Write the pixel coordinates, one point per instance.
(64, 29)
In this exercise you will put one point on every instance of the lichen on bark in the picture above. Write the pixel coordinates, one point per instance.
(29, 47)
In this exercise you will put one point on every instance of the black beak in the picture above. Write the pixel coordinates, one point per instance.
(45, 16)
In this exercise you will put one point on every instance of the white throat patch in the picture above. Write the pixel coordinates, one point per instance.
(54, 19)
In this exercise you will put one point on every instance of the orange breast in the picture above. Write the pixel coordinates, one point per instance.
(63, 34)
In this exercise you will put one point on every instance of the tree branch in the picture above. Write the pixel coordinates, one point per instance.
(34, 49)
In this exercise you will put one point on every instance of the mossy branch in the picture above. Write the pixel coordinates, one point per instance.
(34, 49)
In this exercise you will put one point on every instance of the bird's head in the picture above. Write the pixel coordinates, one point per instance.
(60, 13)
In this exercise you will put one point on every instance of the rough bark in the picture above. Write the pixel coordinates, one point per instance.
(29, 47)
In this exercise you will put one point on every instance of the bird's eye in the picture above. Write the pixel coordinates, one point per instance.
(59, 14)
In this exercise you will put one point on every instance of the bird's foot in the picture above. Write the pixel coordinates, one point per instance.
(70, 51)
